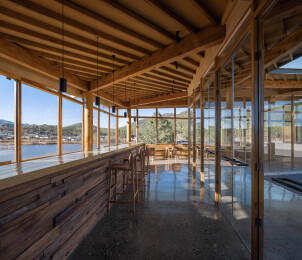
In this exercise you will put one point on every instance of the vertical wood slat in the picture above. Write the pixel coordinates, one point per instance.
(175, 125)
(137, 126)
(60, 125)
(129, 124)
(201, 131)
(269, 131)
(108, 126)
(116, 128)
(293, 132)
(217, 138)
(18, 121)
(156, 141)
(88, 141)
(257, 171)
(189, 131)
(98, 132)
(194, 128)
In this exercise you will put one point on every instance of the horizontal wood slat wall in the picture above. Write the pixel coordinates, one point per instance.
(48, 217)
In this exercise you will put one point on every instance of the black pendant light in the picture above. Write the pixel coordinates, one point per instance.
(113, 107)
(125, 113)
(63, 81)
(97, 98)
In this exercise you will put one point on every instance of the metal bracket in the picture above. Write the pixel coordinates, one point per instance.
(259, 222)
(258, 55)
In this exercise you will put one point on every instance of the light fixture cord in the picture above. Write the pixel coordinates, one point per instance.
(63, 38)
(113, 76)
(97, 65)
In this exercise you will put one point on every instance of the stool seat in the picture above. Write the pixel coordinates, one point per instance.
(120, 166)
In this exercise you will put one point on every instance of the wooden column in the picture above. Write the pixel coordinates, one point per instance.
(108, 126)
(83, 124)
(269, 131)
(98, 131)
(88, 140)
(156, 122)
(137, 139)
(217, 139)
(229, 130)
(189, 131)
(60, 124)
(18, 121)
(202, 99)
(257, 172)
(129, 124)
(194, 129)
(293, 132)
(116, 128)
(175, 125)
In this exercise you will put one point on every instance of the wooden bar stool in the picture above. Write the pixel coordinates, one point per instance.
(128, 168)
(147, 163)
(140, 158)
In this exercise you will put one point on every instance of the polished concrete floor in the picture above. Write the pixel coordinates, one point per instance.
(175, 219)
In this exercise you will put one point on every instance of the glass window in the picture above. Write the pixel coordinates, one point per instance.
(182, 131)
(39, 123)
(147, 131)
(182, 112)
(122, 130)
(165, 131)
(166, 112)
(6, 119)
(112, 129)
(95, 127)
(104, 129)
(72, 126)
(147, 112)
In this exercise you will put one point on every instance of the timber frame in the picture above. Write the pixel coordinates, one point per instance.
(168, 55)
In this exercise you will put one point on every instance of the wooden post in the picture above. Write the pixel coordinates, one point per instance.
(229, 107)
(245, 128)
(201, 132)
(156, 141)
(175, 125)
(189, 131)
(88, 140)
(108, 126)
(116, 128)
(257, 172)
(18, 121)
(129, 124)
(137, 139)
(83, 124)
(217, 138)
(194, 129)
(293, 132)
(98, 131)
(60, 124)
(269, 131)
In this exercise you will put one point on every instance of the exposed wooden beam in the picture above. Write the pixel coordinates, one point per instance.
(168, 76)
(191, 61)
(23, 57)
(203, 40)
(139, 18)
(68, 44)
(283, 84)
(56, 30)
(110, 23)
(206, 12)
(109, 97)
(176, 72)
(146, 78)
(161, 7)
(176, 95)
(283, 10)
(167, 81)
(76, 24)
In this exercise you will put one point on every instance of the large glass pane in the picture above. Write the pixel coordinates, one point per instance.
(165, 131)
(182, 112)
(39, 123)
(95, 124)
(112, 129)
(72, 126)
(146, 112)
(122, 130)
(166, 112)
(6, 119)
(104, 128)
(147, 131)
(182, 130)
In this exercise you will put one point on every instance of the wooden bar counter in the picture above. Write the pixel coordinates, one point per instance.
(48, 205)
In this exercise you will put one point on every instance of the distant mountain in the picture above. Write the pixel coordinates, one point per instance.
(2, 121)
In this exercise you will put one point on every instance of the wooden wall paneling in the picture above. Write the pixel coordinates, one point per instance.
(129, 124)
(202, 100)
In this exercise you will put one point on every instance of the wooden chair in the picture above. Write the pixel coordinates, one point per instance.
(147, 156)
(140, 158)
(128, 168)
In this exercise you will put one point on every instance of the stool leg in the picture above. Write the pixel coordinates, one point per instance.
(115, 185)
(109, 191)
(133, 191)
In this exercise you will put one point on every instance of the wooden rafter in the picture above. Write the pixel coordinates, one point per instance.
(161, 98)
(206, 11)
(205, 39)
(110, 23)
(139, 18)
(172, 15)
(76, 24)
(23, 57)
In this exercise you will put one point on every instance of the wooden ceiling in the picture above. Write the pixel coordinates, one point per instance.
(136, 32)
